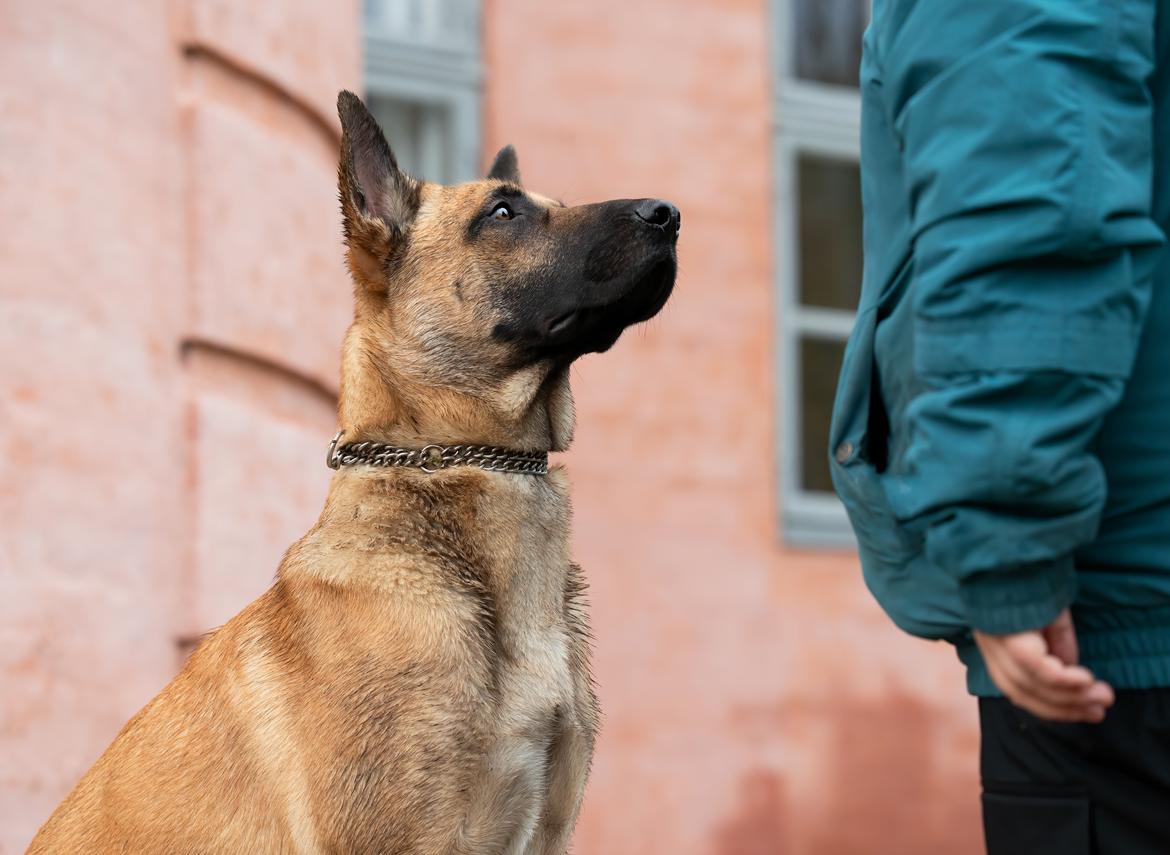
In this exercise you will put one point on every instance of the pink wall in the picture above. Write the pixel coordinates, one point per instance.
(172, 299)
(172, 306)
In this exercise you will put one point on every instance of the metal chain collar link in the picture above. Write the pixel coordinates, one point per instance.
(432, 458)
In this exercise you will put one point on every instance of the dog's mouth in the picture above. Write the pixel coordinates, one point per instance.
(595, 329)
(562, 323)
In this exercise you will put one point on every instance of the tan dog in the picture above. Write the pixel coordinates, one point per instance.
(417, 679)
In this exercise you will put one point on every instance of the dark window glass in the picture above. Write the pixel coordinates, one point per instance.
(820, 363)
(828, 39)
(829, 209)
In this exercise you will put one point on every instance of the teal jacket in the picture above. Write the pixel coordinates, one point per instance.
(1001, 432)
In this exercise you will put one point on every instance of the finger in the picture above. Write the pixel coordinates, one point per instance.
(1030, 652)
(1044, 672)
(1017, 682)
(1062, 638)
(1083, 700)
(1038, 706)
(1101, 693)
(1025, 696)
(1049, 670)
(1087, 704)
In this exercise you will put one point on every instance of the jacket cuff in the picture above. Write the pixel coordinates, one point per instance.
(1017, 599)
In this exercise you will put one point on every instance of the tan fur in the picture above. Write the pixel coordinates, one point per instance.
(398, 384)
(417, 679)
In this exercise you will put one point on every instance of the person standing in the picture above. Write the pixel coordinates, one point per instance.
(1001, 431)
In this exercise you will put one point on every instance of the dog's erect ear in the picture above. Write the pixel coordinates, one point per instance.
(378, 200)
(372, 179)
(506, 167)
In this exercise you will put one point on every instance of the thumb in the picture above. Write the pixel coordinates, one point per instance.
(1061, 637)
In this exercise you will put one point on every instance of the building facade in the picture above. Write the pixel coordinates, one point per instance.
(172, 300)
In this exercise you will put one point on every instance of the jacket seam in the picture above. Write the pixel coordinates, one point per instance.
(1085, 179)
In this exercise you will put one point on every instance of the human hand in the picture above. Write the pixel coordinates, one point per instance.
(1038, 672)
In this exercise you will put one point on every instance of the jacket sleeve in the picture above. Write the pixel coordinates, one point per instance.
(1027, 141)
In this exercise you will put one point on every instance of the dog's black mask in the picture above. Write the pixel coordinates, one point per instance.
(603, 268)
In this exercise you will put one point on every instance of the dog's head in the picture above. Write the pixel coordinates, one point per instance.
(473, 300)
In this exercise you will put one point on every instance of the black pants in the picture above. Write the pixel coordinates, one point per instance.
(1078, 789)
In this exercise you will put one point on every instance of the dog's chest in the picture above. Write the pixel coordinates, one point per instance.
(532, 635)
(534, 707)
(500, 696)
(534, 698)
(535, 680)
(534, 670)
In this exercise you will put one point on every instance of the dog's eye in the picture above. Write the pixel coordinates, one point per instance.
(502, 212)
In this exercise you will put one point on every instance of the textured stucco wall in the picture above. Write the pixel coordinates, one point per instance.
(171, 304)
(90, 171)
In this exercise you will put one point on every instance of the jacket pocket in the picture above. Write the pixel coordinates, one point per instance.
(920, 599)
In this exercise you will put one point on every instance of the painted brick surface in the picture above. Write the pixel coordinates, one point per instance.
(305, 47)
(260, 483)
(90, 433)
(266, 242)
(151, 196)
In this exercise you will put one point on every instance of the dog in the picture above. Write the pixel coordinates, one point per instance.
(417, 678)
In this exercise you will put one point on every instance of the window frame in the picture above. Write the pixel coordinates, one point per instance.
(432, 69)
(822, 120)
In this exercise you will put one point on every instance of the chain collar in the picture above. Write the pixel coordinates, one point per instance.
(432, 458)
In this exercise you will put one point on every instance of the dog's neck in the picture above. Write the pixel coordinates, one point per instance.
(531, 410)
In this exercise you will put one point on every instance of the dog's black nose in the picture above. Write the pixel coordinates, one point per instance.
(658, 212)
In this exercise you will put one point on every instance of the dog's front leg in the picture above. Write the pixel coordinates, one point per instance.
(569, 756)
(502, 816)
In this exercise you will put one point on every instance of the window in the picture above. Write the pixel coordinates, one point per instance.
(422, 75)
(818, 246)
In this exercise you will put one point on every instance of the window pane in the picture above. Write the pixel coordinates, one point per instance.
(828, 39)
(820, 363)
(829, 208)
(453, 23)
(418, 134)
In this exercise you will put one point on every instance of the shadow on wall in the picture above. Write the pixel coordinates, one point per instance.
(884, 791)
